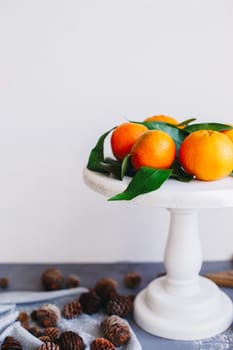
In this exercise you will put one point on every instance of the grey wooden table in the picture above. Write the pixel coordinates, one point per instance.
(27, 277)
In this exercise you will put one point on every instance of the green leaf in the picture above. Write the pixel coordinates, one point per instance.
(179, 174)
(112, 166)
(96, 157)
(130, 171)
(116, 167)
(186, 122)
(125, 165)
(145, 180)
(177, 134)
(207, 126)
(231, 174)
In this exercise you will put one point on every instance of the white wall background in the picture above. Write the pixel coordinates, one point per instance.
(71, 69)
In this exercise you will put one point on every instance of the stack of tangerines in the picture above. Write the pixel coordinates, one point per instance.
(205, 154)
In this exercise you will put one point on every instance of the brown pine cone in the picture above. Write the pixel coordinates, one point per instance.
(4, 282)
(23, 318)
(34, 315)
(48, 345)
(48, 315)
(132, 280)
(72, 281)
(11, 343)
(37, 332)
(116, 330)
(52, 332)
(44, 338)
(102, 344)
(52, 279)
(121, 305)
(72, 309)
(106, 288)
(71, 341)
(90, 302)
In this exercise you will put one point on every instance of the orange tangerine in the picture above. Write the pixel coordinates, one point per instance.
(161, 118)
(124, 137)
(207, 154)
(155, 149)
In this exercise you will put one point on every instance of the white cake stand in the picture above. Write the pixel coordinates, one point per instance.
(181, 305)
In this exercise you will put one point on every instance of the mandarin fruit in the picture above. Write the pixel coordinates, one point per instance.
(155, 149)
(207, 154)
(124, 137)
(161, 118)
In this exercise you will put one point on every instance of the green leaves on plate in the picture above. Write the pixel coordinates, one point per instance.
(97, 161)
(186, 122)
(207, 126)
(179, 174)
(145, 180)
(116, 167)
(96, 157)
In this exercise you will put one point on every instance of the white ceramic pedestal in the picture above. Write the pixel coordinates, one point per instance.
(181, 305)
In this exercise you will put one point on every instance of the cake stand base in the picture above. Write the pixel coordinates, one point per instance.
(199, 316)
(181, 305)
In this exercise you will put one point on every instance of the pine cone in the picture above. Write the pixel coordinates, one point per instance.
(106, 288)
(34, 315)
(23, 318)
(52, 332)
(44, 338)
(72, 309)
(90, 302)
(37, 332)
(121, 305)
(48, 315)
(72, 281)
(116, 330)
(71, 341)
(52, 279)
(102, 344)
(11, 343)
(132, 280)
(4, 282)
(49, 346)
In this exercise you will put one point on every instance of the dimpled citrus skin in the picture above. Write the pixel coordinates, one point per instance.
(155, 149)
(206, 154)
(124, 137)
(161, 118)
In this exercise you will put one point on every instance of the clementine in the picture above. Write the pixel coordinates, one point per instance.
(123, 138)
(161, 118)
(155, 149)
(207, 154)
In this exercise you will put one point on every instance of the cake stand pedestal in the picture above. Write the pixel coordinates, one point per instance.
(180, 305)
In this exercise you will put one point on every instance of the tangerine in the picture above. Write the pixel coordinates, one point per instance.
(207, 154)
(161, 118)
(123, 138)
(155, 149)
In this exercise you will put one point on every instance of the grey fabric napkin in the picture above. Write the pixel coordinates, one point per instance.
(88, 327)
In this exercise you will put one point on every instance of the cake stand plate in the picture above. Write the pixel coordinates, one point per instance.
(180, 305)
